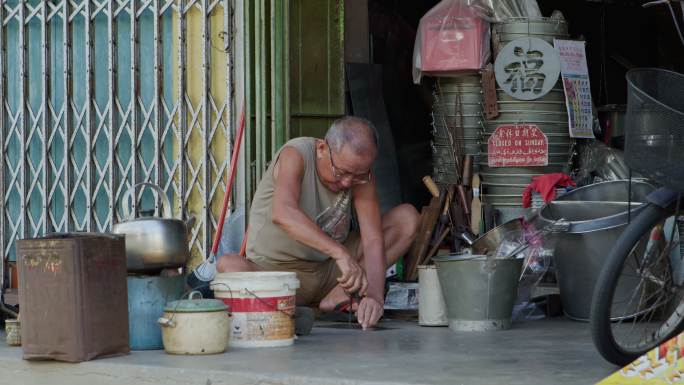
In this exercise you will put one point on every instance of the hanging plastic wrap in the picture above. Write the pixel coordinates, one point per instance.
(537, 262)
(452, 38)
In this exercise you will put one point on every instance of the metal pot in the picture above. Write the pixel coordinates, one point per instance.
(153, 243)
(195, 326)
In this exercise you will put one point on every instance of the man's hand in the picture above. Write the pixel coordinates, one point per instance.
(353, 279)
(369, 313)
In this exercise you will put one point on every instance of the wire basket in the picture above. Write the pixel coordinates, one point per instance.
(654, 136)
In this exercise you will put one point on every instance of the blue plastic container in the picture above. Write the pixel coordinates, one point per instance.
(147, 296)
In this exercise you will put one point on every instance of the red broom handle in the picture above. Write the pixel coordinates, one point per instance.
(231, 178)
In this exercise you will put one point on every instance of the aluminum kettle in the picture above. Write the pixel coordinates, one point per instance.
(153, 243)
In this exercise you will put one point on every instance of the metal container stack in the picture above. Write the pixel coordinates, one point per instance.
(457, 124)
(515, 28)
(503, 186)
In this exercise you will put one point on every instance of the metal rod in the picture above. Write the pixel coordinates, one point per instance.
(206, 124)
(278, 75)
(258, 79)
(134, 100)
(23, 93)
(182, 107)
(248, 44)
(275, 44)
(157, 97)
(66, 57)
(286, 69)
(263, 75)
(45, 55)
(3, 188)
(228, 48)
(113, 123)
(90, 142)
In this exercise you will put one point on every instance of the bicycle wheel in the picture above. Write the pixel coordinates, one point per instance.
(637, 303)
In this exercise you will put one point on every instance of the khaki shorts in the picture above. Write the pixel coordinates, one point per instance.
(316, 279)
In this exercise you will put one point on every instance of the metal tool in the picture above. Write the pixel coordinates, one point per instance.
(352, 298)
(351, 309)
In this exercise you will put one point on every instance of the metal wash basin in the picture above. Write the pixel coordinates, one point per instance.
(597, 214)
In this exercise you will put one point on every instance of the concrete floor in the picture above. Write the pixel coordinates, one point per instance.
(555, 351)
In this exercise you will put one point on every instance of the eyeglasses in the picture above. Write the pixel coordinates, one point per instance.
(341, 174)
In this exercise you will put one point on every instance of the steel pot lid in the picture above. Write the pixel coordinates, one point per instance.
(195, 305)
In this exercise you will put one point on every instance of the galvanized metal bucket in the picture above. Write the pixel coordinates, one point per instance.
(597, 215)
(512, 29)
(479, 291)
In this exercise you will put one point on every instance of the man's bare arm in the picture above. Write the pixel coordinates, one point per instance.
(286, 214)
(368, 213)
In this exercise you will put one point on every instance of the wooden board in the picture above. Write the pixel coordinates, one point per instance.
(429, 217)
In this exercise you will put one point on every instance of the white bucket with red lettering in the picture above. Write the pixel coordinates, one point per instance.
(262, 305)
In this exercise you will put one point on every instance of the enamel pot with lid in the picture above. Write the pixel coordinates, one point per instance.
(195, 326)
(153, 243)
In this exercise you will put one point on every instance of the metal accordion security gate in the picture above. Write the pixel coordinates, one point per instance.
(99, 95)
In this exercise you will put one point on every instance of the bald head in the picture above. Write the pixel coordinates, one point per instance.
(358, 134)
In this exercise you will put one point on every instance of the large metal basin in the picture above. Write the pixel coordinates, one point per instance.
(597, 215)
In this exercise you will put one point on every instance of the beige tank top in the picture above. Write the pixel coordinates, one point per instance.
(330, 211)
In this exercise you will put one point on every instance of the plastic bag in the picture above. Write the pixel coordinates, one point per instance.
(599, 162)
(537, 260)
(452, 38)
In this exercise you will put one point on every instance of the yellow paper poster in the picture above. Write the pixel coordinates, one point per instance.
(663, 365)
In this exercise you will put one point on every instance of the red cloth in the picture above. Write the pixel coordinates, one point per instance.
(546, 186)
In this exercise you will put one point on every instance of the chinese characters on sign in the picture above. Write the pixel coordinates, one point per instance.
(527, 69)
(573, 63)
(525, 74)
(522, 145)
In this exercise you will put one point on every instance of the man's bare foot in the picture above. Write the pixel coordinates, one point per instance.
(335, 301)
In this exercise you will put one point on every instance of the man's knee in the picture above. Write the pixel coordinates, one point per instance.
(407, 219)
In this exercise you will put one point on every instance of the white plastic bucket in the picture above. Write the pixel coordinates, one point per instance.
(431, 305)
(262, 305)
